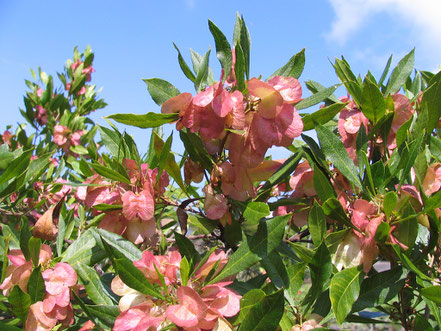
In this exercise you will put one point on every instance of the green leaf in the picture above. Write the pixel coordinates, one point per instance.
(336, 153)
(16, 167)
(134, 278)
(34, 245)
(382, 233)
(317, 224)
(202, 72)
(36, 288)
(109, 173)
(255, 211)
(112, 141)
(274, 267)
(389, 203)
(422, 324)
(239, 68)
(430, 107)
(25, 235)
(293, 68)
(20, 302)
(373, 106)
(196, 149)
(315, 87)
(149, 120)
(296, 274)
(321, 116)
(333, 208)
(95, 289)
(432, 293)
(305, 254)
(167, 160)
(321, 270)
(408, 229)
(285, 170)
(265, 314)
(223, 48)
(322, 185)
(269, 235)
(184, 67)
(409, 264)
(379, 289)
(347, 77)
(85, 249)
(400, 73)
(184, 271)
(344, 291)
(7, 327)
(385, 71)
(105, 314)
(316, 97)
(122, 246)
(201, 224)
(241, 38)
(186, 248)
(160, 90)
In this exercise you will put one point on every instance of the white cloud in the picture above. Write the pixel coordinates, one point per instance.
(420, 17)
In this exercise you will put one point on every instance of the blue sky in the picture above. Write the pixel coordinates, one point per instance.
(133, 40)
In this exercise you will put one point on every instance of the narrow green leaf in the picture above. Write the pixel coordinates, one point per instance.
(409, 264)
(382, 233)
(400, 73)
(344, 291)
(316, 97)
(385, 71)
(321, 116)
(20, 302)
(239, 68)
(268, 236)
(36, 288)
(317, 224)
(184, 66)
(85, 250)
(149, 120)
(305, 254)
(432, 293)
(105, 314)
(109, 173)
(184, 271)
(16, 167)
(25, 235)
(315, 87)
(202, 72)
(112, 141)
(134, 278)
(266, 314)
(389, 203)
(118, 243)
(422, 324)
(186, 248)
(95, 289)
(274, 267)
(255, 211)
(293, 68)
(34, 245)
(335, 152)
(160, 90)
(379, 289)
(373, 106)
(285, 169)
(223, 48)
(196, 149)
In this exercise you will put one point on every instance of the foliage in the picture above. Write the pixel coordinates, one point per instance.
(220, 235)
